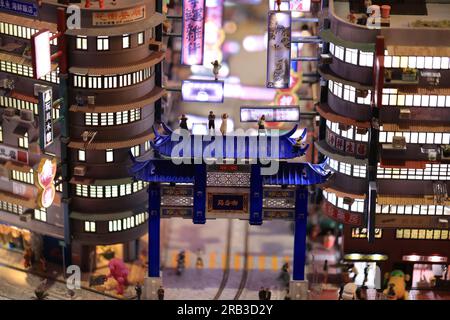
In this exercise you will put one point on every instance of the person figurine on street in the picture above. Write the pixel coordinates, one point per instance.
(160, 293)
(366, 274)
(216, 68)
(138, 290)
(223, 126)
(325, 272)
(268, 294)
(211, 121)
(199, 262)
(183, 122)
(278, 4)
(287, 296)
(262, 124)
(262, 294)
(43, 263)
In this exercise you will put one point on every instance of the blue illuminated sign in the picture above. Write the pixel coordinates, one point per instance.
(26, 8)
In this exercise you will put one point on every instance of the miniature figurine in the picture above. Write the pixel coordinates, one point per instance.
(211, 121)
(216, 68)
(223, 126)
(262, 294)
(199, 262)
(396, 285)
(268, 294)
(160, 293)
(262, 124)
(325, 272)
(138, 290)
(119, 271)
(183, 122)
(348, 292)
(278, 4)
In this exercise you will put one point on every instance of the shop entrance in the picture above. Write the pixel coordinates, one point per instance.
(425, 275)
(13, 238)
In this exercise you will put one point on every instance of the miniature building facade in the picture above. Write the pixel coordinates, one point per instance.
(384, 109)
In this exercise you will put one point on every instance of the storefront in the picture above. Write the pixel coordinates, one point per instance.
(426, 271)
(366, 270)
(13, 238)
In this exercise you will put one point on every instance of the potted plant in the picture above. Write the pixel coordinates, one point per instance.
(409, 74)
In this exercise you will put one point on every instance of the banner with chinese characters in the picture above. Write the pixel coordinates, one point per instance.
(193, 32)
(13, 154)
(347, 146)
(112, 18)
(271, 113)
(279, 50)
(45, 118)
(341, 215)
(20, 7)
(227, 202)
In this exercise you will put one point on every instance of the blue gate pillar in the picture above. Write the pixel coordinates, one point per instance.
(154, 206)
(256, 195)
(199, 213)
(301, 214)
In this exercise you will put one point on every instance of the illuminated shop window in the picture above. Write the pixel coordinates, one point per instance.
(140, 38)
(435, 172)
(351, 133)
(81, 155)
(9, 102)
(356, 205)
(112, 81)
(102, 43)
(351, 56)
(366, 59)
(339, 52)
(361, 233)
(89, 226)
(114, 191)
(147, 145)
(23, 141)
(26, 177)
(11, 207)
(82, 43)
(126, 43)
(127, 223)
(136, 151)
(422, 234)
(109, 155)
(112, 118)
(348, 93)
(20, 31)
(40, 214)
(1, 133)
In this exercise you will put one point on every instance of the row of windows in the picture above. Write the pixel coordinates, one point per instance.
(365, 59)
(91, 191)
(103, 42)
(10, 207)
(431, 210)
(27, 71)
(23, 141)
(27, 177)
(428, 234)
(21, 32)
(112, 81)
(356, 206)
(127, 223)
(109, 154)
(9, 102)
(348, 169)
(415, 137)
(40, 214)
(353, 56)
(391, 97)
(361, 233)
(112, 118)
(348, 93)
(439, 172)
(349, 132)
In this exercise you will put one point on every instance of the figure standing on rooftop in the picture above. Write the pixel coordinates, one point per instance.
(223, 126)
(216, 68)
(183, 122)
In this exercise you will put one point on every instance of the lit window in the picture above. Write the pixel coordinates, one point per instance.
(140, 38)
(136, 150)
(40, 214)
(89, 226)
(81, 43)
(23, 141)
(109, 155)
(102, 43)
(81, 155)
(126, 41)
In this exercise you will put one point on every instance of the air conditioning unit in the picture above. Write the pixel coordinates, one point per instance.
(405, 114)
(155, 45)
(349, 201)
(79, 170)
(361, 93)
(26, 115)
(326, 58)
(398, 142)
(9, 112)
(91, 100)
(432, 155)
(361, 130)
(38, 88)
(343, 127)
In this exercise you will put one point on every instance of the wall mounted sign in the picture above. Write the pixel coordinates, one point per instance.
(292, 5)
(41, 54)
(193, 32)
(341, 215)
(417, 258)
(283, 194)
(176, 212)
(13, 154)
(347, 146)
(202, 91)
(45, 176)
(279, 214)
(25, 8)
(227, 202)
(112, 18)
(271, 113)
(279, 49)
(45, 117)
(177, 191)
(214, 33)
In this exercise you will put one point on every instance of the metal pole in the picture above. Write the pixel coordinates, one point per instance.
(301, 215)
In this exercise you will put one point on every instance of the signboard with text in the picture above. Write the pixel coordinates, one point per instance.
(227, 202)
(279, 50)
(45, 118)
(13, 154)
(292, 5)
(41, 54)
(202, 91)
(271, 113)
(112, 18)
(193, 32)
(20, 7)
(341, 215)
(347, 146)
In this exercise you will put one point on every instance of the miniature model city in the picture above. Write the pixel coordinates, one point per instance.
(219, 150)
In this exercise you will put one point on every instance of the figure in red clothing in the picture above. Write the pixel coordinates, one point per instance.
(119, 271)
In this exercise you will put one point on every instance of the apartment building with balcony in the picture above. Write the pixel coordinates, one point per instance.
(385, 129)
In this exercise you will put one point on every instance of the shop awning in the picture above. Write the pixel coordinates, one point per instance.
(343, 194)
(394, 50)
(325, 149)
(10, 165)
(326, 112)
(15, 199)
(329, 36)
(399, 163)
(407, 200)
(327, 74)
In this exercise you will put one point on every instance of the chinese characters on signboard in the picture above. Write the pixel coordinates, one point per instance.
(348, 146)
(25, 8)
(45, 118)
(112, 18)
(279, 50)
(202, 91)
(13, 154)
(343, 216)
(193, 32)
(271, 113)
(233, 203)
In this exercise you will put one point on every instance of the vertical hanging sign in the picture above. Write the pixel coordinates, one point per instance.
(279, 50)
(45, 118)
(193, 32)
